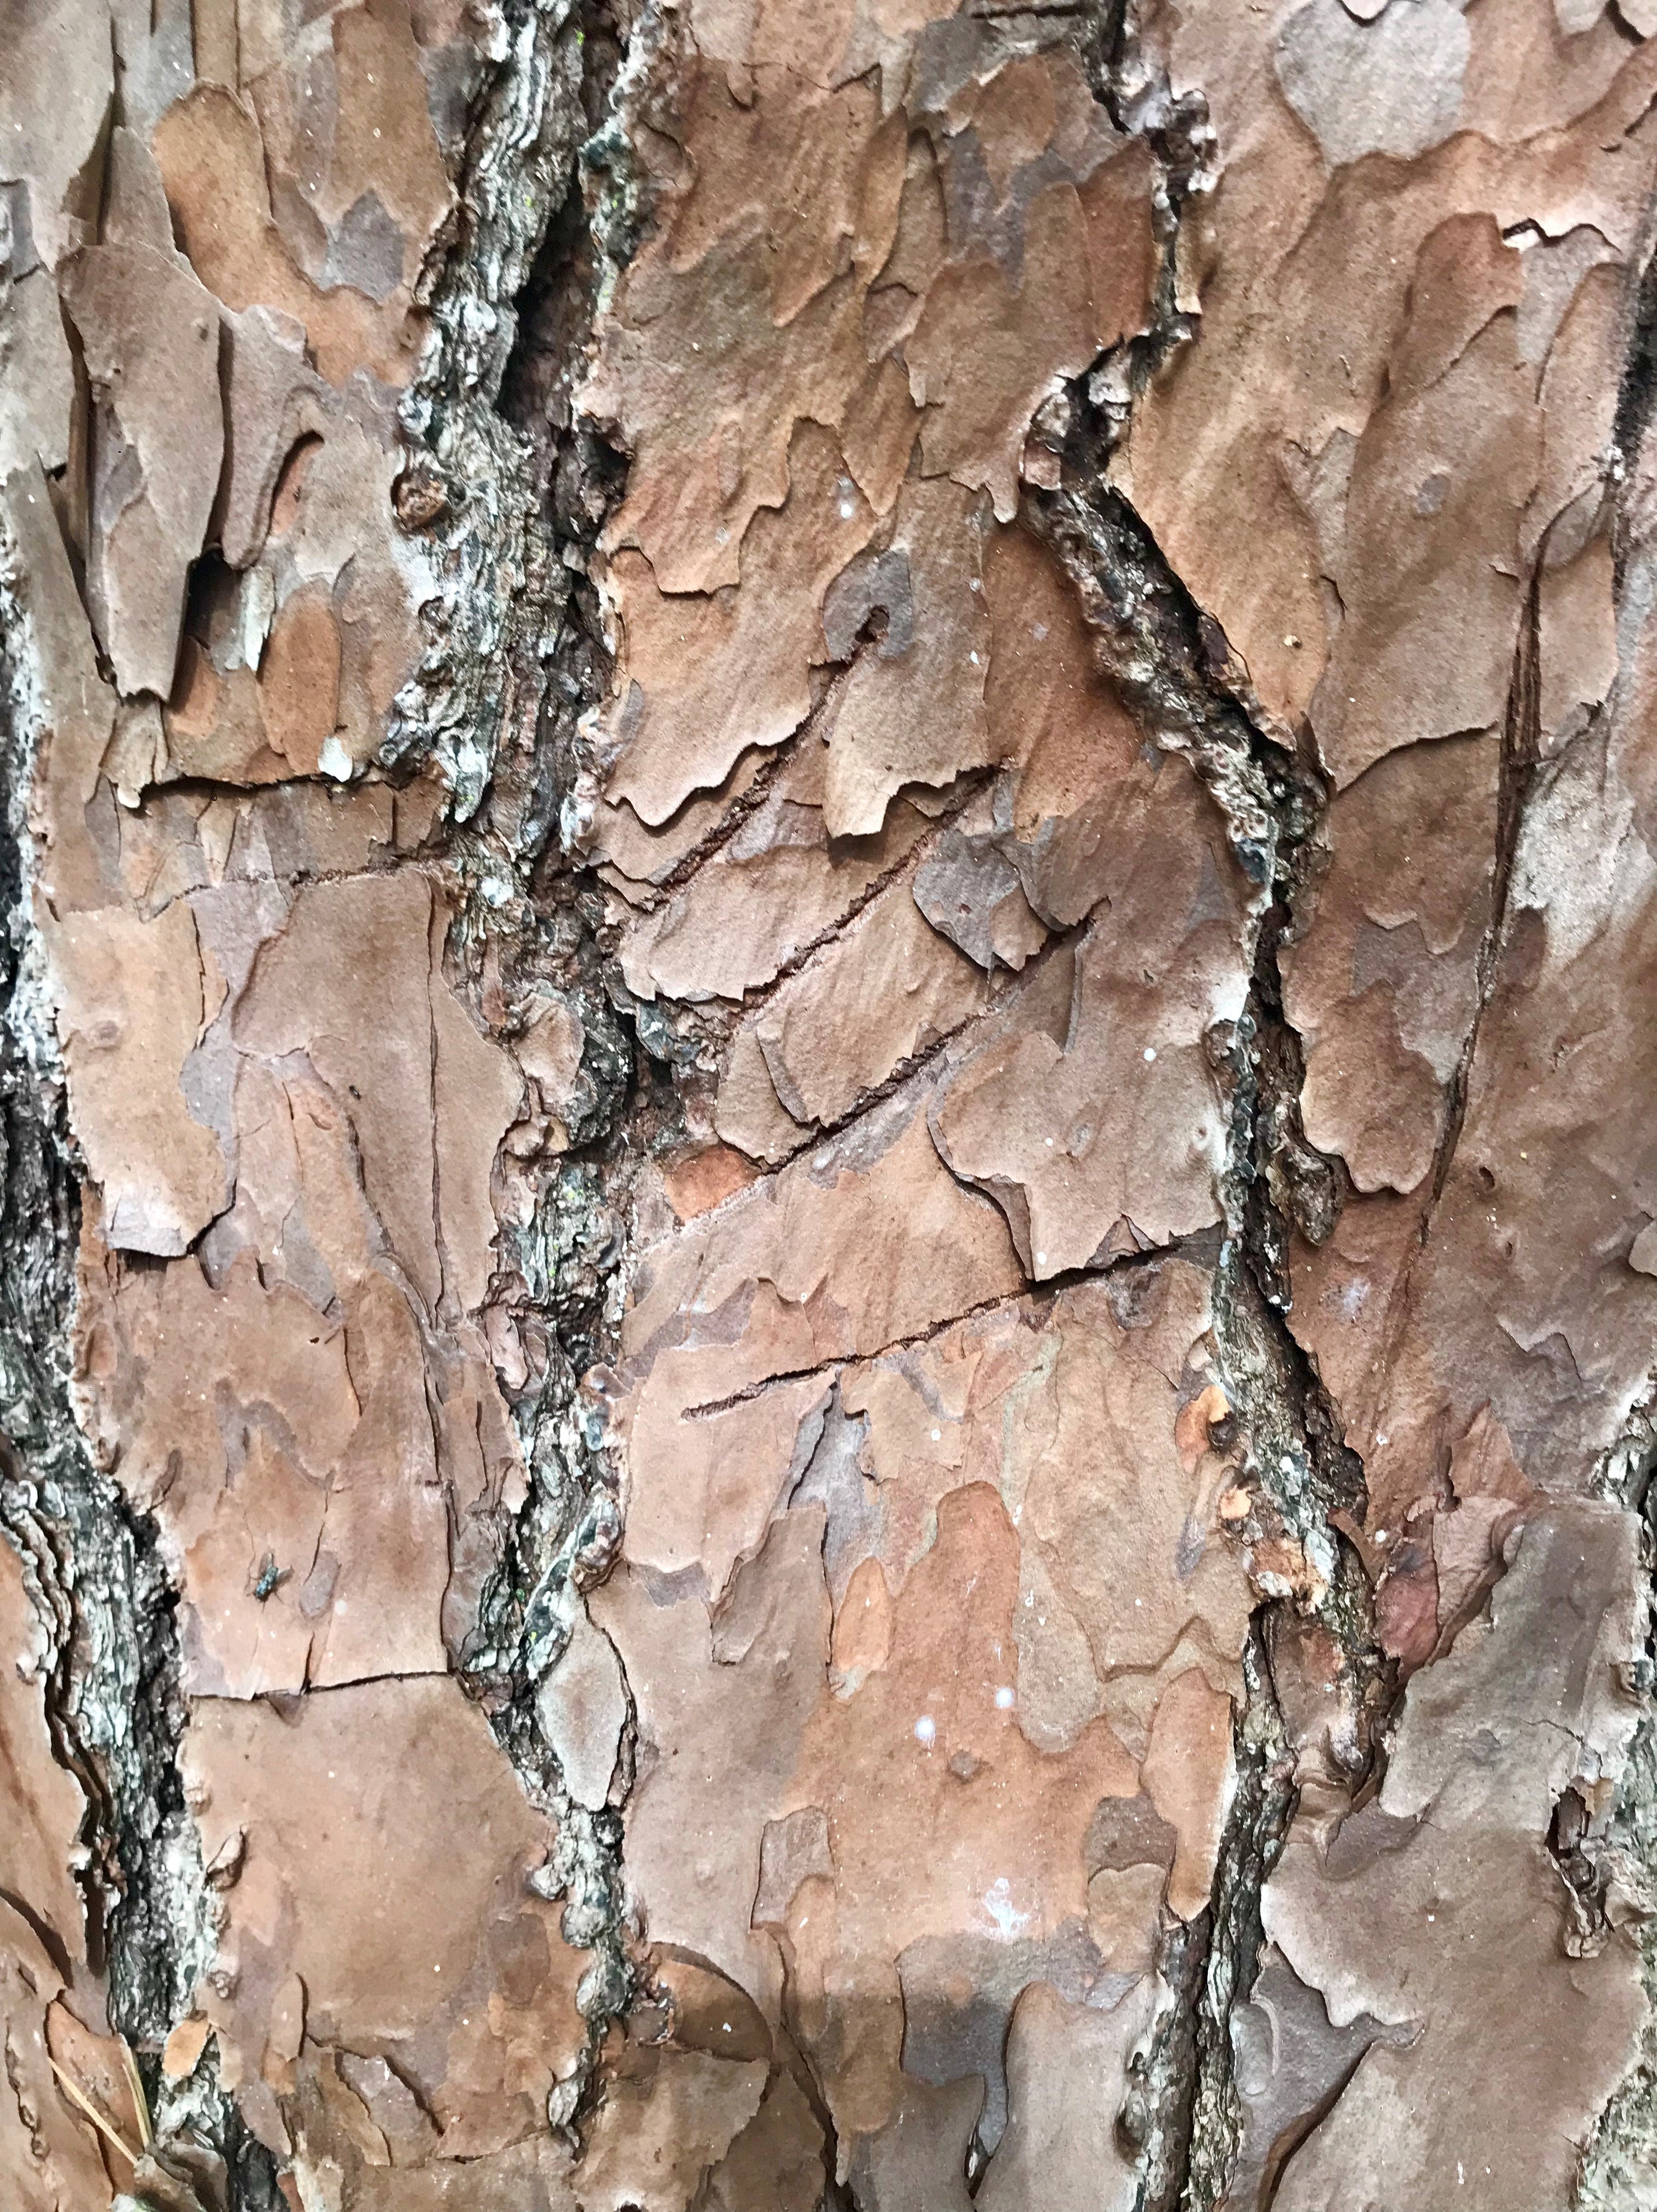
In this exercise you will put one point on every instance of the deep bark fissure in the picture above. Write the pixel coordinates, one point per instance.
(93, 1563)
(1174, 666)
(543, 243)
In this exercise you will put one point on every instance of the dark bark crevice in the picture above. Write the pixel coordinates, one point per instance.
(532, 913)
(93, 1564)
(1173, 667)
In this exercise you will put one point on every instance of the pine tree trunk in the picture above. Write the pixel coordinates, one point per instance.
(829, 1250)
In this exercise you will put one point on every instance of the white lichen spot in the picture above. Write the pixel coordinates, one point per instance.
(1003, 1698)
(926, 1731)
(1009, 1922)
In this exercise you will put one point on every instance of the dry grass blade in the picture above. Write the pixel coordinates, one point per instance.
(73, 2089)
(135, 2082)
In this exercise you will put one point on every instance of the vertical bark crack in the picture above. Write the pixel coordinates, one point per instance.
(92, 1566)
(518, 658)
(1172, 663)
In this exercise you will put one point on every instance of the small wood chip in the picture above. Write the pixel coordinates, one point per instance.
(185, 2046)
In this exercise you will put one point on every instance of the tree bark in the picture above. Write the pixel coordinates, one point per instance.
(829, 1246)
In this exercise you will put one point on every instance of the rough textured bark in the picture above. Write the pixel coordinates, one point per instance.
(829, 1247)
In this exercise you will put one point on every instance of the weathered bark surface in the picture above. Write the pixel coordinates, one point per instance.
(829, 1256)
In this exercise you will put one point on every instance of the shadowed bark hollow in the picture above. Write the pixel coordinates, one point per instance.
(829, 1260)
